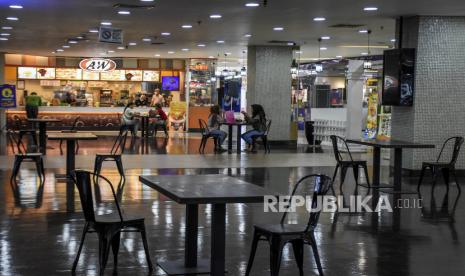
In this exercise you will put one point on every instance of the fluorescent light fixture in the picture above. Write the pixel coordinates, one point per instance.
(132, 44)
(93, 31)
(220, 41)
(7, 28)
(12, 18)
(363, 31)
(252, 4)
(201, 45)
(325, 37)
(105, 23)
(124, 12)
(165, 34)
(16, 7)
(186, 26)
(370, 9)
(278, 29)
(319, 19)
(215, 16)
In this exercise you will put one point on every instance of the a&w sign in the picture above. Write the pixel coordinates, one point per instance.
(97, 64)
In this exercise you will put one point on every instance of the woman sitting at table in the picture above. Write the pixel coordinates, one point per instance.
(258, 122)
(160, 120)
(128, 121)
(214, 123)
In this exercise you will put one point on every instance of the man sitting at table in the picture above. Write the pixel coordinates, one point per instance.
(160, 120)
(128, 121)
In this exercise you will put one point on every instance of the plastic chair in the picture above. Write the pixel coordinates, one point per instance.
(446, 167)
(278, 235)
(109, 226)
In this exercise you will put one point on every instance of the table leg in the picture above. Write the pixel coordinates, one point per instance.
(43, 137)
(218, 248)
(192, 223)
(238, 142)
(230, 135)
(146, 121)
(397, 169)
(70, 165)
(376, 167)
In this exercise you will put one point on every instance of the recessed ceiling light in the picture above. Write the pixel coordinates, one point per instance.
(65, 46)
(3, 38)
(186, 26)
(157, 55)
(252, 4)
(111, 51)
(72, 42)
(298, 52)
(215, 16)
(201, 45)
(5, 34)
(170, 52)
(146, 39)
(124, 12)
(121, 48)
(165, 34)
(79, 37)
(211, 57)
(323, 48)
(132, 44)
(325, 37)
(364, 54)
(228, 53)
(59, 50)
(53, 52)
(247, 35)
(220, 41)
(290, 44)
(93, 31)
(393, 40)
(319, 19)
(105, 23)
(278, 29)
(185, 49)
(7, 28)
(12, 18)
(103, 53)
(338, 56)
(146, 0)
(370, 9)
(16, 7)
(363, 31)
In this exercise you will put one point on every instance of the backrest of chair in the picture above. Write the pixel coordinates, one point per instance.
(268, 126)
(458, 141)
(18, 124)
(203, 126)
(337, 153)
(314, 186)
(83, 182)
(75, 122)
(120, 142)
(18, 144)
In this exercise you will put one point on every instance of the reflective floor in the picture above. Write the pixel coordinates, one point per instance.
(39, 238)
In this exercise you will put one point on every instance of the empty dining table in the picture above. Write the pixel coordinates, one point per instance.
(71, 138)
(192, 190)
(43, 131)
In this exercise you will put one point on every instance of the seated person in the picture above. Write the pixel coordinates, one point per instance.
(142, 100)
(258, 122)
(160, 121)
(214, 122)
(128, 121)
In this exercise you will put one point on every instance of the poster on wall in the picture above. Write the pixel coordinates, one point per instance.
(177, 116)
(372, 116)
(7, 96)
(232, 96)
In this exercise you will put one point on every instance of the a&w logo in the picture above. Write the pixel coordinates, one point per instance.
(97, 64)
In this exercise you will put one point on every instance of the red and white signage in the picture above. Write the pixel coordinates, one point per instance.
(97, 64)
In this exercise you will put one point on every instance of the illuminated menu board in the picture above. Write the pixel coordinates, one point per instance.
(115, 75)
(68, 74)
(133, 75)
(151, 76)
(27, 73)
(88, 75)
(46, 73)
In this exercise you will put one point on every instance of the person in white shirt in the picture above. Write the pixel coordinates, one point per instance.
(128, 121)
(157, 98)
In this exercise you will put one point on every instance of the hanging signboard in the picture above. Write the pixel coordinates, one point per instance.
(7, 96)
(110, 35)
(97, 65)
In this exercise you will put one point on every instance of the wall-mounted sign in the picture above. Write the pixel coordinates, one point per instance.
(110, 35)
(7, 96)
(97, 64)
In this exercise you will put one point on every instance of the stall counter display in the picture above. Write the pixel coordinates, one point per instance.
(372, 116)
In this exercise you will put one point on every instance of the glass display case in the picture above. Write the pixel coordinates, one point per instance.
(202, 84)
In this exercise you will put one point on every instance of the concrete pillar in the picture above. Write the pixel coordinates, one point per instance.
(355, 81)
(269, 84)
(439, 97)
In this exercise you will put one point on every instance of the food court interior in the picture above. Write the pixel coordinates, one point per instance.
(155, 137)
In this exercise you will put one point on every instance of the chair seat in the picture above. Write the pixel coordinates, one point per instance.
(30, 154)
(107, 155)
(128, 220)
(282, 228)
(436, 164)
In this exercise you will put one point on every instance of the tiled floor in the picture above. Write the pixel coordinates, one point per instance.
(38, 237)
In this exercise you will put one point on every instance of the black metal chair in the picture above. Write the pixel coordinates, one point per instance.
(264, 137)
(25, 130)
(115, 155)
(22, 154)
(205, 131)
(278, 235)
(446, 167)
(108, 227)
(71, 130)
(350, 163)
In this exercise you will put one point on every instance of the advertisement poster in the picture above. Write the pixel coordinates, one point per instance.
(372, 117)
(7, 96)
(177, 116)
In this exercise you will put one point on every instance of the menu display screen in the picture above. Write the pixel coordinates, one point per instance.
(46, 73)
(88, 75)
(68, 74)
(151, 76)
(115, 75)
(133, 75)
(27, 73)
(170, 83)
